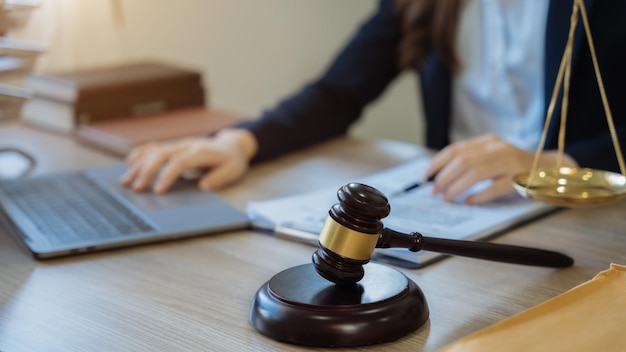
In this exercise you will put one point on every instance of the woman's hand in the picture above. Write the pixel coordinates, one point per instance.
(461, 165)
(225, 157)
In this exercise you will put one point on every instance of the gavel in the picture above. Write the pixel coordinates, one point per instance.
(353, 229)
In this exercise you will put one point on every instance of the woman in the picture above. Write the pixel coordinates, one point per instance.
(487, 69)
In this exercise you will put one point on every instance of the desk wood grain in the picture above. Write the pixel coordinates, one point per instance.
(195, 294)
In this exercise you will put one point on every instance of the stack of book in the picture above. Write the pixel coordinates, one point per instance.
(17, 56)
(62, 101)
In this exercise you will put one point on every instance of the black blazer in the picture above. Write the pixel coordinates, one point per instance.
(328, 106)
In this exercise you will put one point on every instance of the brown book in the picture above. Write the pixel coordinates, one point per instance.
(119, 136)
(113, 82)
(63, 117)
(137, 105)
(61, 101)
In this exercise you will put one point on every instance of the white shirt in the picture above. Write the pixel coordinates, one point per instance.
(500, 88)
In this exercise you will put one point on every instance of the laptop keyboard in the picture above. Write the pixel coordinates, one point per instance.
(74, 208)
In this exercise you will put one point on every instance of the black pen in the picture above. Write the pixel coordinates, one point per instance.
(415, 185)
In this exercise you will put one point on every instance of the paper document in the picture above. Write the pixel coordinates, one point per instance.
(589, 317)
(300, 217)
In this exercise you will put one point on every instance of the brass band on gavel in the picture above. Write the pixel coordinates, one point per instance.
(346, 242)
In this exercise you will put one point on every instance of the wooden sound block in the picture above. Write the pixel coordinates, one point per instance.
(298, 306)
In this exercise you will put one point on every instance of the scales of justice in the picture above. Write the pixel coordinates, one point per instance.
(341, 300)
(566, 186)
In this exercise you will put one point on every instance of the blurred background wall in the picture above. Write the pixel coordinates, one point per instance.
(252, 53)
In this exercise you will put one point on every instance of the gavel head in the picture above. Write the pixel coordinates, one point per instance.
(350, 233)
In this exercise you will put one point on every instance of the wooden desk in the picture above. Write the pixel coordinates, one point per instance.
(194, 295)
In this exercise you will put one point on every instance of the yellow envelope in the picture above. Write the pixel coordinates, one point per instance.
(589, 317)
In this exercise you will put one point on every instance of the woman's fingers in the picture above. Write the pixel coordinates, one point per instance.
(199, 155)
(462, 165)
(499, 187)
(225, 157)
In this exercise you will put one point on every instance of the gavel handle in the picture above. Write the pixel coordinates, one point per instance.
(480, 250)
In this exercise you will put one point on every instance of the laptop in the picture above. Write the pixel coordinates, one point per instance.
(85, 211)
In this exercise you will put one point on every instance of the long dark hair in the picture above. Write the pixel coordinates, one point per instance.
(427, 25)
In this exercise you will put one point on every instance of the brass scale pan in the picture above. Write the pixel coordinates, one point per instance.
(566, 186)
